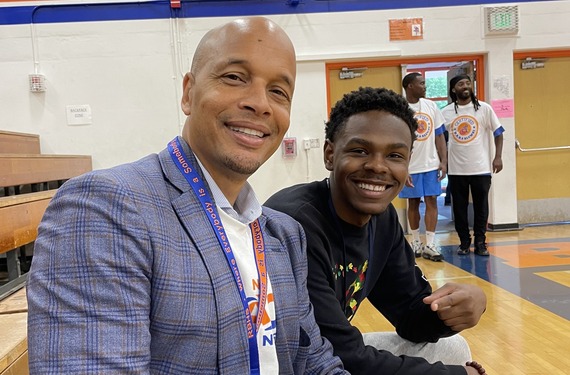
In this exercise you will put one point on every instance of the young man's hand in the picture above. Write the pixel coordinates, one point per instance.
(459, 306)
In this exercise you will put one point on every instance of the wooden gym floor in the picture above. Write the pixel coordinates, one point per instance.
(526, 328)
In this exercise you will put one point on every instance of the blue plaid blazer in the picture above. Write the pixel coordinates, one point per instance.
(128, 278)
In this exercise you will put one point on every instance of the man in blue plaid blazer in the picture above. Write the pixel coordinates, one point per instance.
(129, 274)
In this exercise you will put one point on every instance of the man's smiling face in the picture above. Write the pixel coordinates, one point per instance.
(238, 98)
(369, 164)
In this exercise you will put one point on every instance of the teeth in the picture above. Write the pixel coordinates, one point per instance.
(247, 131)
(372, 187)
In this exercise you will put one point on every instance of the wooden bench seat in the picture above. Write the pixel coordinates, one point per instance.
(14, 344)
(21, 215)
(13, 340)
(19, 143)
(15, 303)
(22, 169)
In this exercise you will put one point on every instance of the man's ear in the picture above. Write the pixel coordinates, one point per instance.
(328, 152)
(186, 102)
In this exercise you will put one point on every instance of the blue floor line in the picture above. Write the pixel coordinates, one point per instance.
(523, 282)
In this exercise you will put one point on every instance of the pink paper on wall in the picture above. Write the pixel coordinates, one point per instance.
(503, 107)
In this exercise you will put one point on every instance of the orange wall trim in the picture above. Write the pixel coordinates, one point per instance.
(541, 54)
(480, 73)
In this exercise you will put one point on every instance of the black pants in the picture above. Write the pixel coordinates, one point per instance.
(479, 186)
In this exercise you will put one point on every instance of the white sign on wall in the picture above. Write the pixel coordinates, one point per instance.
(78, 114)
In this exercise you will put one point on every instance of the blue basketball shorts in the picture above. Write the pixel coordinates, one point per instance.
(425, 185)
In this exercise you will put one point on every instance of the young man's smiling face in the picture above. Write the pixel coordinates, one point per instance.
(369, 164)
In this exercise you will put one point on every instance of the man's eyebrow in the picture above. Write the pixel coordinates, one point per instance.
(399, 145)
(235, 61)
(285, 78)
(361, 141)
(232, 61)
(365, 142)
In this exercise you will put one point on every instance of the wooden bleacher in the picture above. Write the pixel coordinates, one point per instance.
(14, 341)
(28, 181)
(21, 215)
(19, 143)
(24, 169)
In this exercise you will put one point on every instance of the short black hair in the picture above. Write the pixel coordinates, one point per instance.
(369, 99)
(409, 78)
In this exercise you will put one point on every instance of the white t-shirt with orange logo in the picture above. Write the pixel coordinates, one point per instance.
(470, 136)
(430, 124)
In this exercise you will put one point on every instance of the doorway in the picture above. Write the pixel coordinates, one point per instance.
(540, 102)
(348, 76)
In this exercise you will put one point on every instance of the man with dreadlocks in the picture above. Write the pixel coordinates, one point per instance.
(356, 248)
(471, 123)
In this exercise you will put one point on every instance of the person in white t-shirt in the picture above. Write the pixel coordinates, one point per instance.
(428, 166)
(471, 123)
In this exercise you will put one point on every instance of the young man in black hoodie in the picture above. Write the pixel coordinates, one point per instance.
(356, 248)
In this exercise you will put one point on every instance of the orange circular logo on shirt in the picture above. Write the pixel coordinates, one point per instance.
(425, 126)
(464, 129)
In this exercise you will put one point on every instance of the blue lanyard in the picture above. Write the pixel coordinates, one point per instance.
(209, 207)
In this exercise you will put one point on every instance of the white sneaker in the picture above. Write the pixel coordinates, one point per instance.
(418, 247)
(431, 252)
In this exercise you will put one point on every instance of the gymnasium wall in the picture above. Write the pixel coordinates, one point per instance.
(126, 61)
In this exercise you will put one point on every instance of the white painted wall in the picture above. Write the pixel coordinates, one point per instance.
(130, 73)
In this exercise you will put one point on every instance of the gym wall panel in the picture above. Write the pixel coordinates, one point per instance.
(541, 106)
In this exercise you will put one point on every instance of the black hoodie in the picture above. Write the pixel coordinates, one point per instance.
(338, 253)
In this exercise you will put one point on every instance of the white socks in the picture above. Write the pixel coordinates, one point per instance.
(416, 234)
(430, 238)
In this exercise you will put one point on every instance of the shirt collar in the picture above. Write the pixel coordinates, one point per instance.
(246, 208)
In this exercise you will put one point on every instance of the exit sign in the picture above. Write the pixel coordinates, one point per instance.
(502, 20)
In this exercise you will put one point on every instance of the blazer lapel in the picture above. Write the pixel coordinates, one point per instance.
(232, 336)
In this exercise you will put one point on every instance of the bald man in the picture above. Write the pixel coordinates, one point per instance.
(169, 265)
